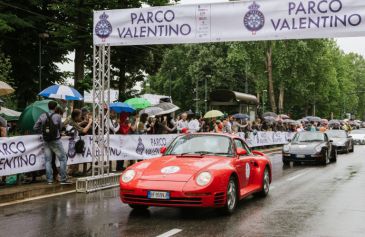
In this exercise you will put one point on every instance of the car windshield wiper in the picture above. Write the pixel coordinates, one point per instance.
(211, 153)
(188, 153)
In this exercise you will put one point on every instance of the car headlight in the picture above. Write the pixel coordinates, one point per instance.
(286, 148)
(318, 149)
(128, 176)
(203, 178)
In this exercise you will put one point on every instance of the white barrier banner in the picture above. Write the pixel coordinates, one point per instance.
(20, 155)
(230, 21)
(25, 153)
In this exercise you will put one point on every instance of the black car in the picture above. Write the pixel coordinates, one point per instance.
(309, 147)
(341, 140)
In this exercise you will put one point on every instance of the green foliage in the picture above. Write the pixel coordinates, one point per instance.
(315, 74)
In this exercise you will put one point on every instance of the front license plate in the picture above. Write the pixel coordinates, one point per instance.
(158, 195)
(300, 156)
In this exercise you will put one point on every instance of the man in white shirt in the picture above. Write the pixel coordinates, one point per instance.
(182, 123)
(193, 125)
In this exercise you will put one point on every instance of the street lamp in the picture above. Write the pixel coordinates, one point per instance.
(170, 78)
(41, 36)
(263, 100)
(206, 93)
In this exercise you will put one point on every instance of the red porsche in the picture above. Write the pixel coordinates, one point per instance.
(198, 170)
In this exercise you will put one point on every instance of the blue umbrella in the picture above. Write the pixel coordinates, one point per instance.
(241, 116)
(120, 107)
(61, 92)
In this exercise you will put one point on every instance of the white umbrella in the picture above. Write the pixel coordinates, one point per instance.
(5, 89)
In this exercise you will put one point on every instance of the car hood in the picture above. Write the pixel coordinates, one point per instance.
(339, 141)
(304, 148)
(358, 136)
(187, 167)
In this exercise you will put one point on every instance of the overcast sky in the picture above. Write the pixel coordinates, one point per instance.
(356, 45)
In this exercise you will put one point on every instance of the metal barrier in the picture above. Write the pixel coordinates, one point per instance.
(95, 183)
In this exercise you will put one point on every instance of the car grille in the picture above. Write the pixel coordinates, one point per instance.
(219, 199)
(172, 201)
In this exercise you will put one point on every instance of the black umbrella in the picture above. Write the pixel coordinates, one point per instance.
(269, 119)
(313, 119)
(241, 116)
(269, 114)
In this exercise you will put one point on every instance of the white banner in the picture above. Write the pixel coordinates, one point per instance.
(230, 21)
(25, 153)
(114, 96)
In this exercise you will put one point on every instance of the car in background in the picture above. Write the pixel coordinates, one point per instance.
(358, 137)
(198, 170)
(342, 142)
(309, 147)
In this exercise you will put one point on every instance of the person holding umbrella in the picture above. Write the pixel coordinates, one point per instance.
(50, 125)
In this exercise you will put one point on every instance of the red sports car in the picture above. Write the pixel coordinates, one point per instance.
(198, 170)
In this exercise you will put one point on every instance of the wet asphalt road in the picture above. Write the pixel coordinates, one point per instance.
(304, 201)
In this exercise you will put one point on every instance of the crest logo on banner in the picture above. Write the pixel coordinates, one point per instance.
(103, 28)
(254, 19)
(140, 147)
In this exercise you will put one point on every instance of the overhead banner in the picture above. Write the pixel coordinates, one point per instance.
(230, 21)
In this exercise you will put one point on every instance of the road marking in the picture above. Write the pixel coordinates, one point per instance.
(35, 198)
(170, 233)
(298, 175)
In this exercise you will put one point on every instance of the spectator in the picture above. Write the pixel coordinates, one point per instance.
(193, 125)
(3, 133)
(113, 124)
(182, 123)
(50, 124)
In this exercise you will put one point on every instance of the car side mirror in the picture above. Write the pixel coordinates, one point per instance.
(349, 136)
(330, 141)
(289, 140)
(241, 152)
(163, 150)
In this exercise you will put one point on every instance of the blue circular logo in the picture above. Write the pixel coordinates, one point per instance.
(254, 19)
(103, 28)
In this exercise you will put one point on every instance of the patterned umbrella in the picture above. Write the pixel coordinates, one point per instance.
(167, 108)
(61, 92)
(151, 111)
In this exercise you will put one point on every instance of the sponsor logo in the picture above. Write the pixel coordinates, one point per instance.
(254, 19)
(248, 170)
(103, 28)
(140, 147)
(170, 170)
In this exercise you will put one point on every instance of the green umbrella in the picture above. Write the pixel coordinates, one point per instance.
(213, 114)
(138, 103)
(9, 114)
(31, 114)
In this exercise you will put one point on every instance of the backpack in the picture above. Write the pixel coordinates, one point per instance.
(49, 129)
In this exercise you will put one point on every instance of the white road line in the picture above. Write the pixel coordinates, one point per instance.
(36, 198)
(170, 233)
(298, 175)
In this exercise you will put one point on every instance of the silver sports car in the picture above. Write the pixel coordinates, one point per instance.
(309, 147)
(341, 140)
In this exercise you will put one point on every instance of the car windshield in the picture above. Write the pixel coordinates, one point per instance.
(336, 134)
(308, 137)
(202, 145)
